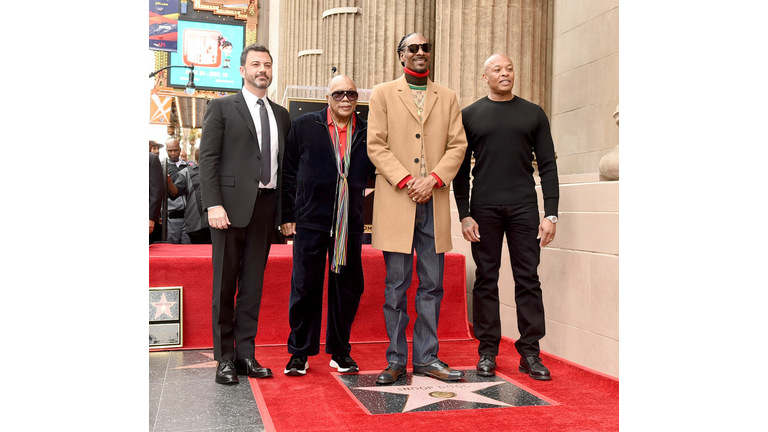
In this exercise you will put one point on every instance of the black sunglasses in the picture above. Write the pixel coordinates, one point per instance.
(414, 48)
(339, 95)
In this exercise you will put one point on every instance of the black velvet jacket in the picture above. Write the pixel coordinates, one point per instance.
(309, 174)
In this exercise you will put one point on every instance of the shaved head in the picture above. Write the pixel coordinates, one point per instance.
(341, 110)
(173, 149)
(341, 79)
(499, 75)
(497, 58)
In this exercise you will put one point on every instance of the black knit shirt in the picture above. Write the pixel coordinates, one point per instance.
(503, 136)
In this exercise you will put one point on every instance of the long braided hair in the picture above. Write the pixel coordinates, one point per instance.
(401, 45)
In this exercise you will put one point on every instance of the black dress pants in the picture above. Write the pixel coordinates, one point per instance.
(201, 236)
(239, 259)
(520, 223)
(310, 249)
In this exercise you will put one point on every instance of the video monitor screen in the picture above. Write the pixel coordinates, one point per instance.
(214, 49)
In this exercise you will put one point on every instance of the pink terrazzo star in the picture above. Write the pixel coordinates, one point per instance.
(425, 391)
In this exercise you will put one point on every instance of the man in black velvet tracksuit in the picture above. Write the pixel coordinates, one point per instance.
(326, 168)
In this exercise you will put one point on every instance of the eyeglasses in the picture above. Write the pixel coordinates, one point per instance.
(414, 48)
(339, 95)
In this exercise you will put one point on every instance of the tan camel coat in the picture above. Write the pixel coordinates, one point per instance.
(394, 146)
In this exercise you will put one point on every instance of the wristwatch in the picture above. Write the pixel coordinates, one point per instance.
(553, 219)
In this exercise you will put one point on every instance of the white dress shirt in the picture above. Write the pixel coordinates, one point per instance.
(253, 107)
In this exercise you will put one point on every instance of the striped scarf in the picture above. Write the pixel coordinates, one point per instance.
(342, 204)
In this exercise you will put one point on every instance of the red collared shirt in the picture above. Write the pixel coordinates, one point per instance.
(342, 131)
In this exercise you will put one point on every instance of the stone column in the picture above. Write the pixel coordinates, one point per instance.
(301, 43)
(342, 28)
(468, 32)
(385, 22)
(317, 35)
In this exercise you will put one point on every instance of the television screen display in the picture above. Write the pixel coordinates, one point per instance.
(214, 49)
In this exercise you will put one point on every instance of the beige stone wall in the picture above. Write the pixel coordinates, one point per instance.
(579, 271)
(585, 82)
(579, 274)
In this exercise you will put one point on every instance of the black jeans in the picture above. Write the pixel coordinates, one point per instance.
(520, 223)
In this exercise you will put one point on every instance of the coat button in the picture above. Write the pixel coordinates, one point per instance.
(418, 135)
(416, 160)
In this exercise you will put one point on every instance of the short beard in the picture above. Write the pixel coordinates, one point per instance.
(421, 70)
(258, 85)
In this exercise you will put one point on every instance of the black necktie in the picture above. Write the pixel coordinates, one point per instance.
(266, 152)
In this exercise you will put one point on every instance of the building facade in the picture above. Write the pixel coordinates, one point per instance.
(566, 56)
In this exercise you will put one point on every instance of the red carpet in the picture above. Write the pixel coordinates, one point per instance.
(190, 266)
(583, 400)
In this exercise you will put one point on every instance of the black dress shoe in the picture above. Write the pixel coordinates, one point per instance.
(487, 365)
(226, 373)
(533, 367)
(252, 368)
(439, 370)
(390, 374)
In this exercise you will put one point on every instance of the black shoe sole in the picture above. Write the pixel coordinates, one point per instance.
(437, 377)
(296, 372)
(536, 377)
(339, 369)
(265, 374)
(227, 381)
(486, 373)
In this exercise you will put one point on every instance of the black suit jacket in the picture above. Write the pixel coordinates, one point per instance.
(156, 187)
(230, 158)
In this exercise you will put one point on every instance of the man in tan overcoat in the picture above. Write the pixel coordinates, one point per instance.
(416, 141)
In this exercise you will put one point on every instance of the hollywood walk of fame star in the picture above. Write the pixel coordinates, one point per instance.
(210, 364)
(425, 391)
(163, 307)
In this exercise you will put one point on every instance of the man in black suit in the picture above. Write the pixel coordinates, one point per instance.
(156, 192)
(241, 154)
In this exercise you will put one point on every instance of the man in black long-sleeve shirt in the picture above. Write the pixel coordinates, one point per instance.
(504, 132)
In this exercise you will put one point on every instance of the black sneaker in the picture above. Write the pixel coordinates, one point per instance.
(344, 364)
(297, 366)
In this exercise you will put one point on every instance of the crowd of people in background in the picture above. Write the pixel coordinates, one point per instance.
(182, 219)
